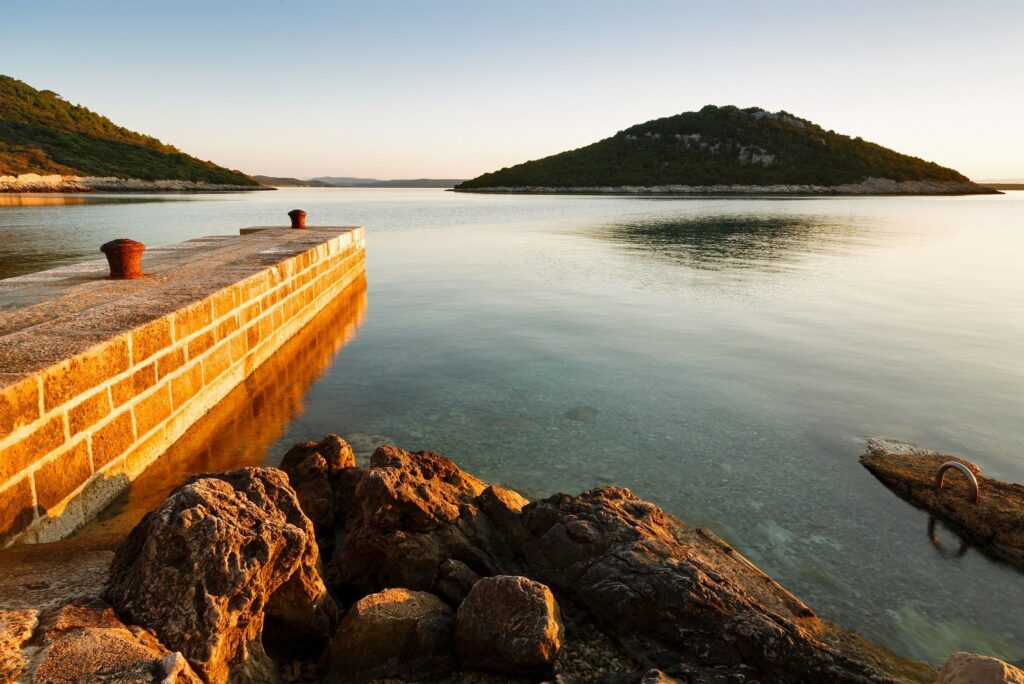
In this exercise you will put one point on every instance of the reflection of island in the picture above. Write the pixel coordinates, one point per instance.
(238, 431)
(737, 241)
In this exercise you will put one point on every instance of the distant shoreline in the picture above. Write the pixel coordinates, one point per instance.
(1004, 186)
(870, 187)
(34, 183)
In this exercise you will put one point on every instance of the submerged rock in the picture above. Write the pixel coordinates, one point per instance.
(582, 414)
(205, 568)
(393, 633)
(970, 668)
(994, 522)
(509, 624)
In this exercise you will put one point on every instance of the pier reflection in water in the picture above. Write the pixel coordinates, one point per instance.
(238, 431)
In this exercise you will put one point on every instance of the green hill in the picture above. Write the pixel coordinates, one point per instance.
(42, 133)
(722, 146)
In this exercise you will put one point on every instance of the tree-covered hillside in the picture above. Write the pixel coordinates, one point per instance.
(718, 146)
(42, 133)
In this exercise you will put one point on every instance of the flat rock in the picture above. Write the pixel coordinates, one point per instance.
(509, 624)
(994, 522)
(206, 568)
(970, 668)
(89, 644)
(16, 627)
(393, 633)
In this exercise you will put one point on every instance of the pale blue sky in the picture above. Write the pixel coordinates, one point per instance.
(456, 88)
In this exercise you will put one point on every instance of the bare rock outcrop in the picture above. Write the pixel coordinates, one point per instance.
(411, 513)
(673, 599)
(205, 568)
(994, 522)
(393, 633)
(622, 559)
(509, 624)
(970, 668)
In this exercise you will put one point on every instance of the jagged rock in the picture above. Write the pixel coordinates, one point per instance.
(995, 521)
(509, 624)
(310, 466)
(674, 599)
(970, 668)
(411, 513)
(16, 627)
(454, 580)
(89, 644)
(393, 633)
(204, 568)
(621, 559)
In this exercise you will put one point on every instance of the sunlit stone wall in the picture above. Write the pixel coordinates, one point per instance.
(99, 377)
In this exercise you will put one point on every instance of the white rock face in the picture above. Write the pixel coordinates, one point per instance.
(970, 668)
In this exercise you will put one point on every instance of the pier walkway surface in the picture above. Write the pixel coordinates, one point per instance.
(98, 377)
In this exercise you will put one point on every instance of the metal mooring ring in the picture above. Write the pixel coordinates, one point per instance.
(971, 480)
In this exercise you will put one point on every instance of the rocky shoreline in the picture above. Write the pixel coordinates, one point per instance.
(413, 570)
(871, 186)
(31, 182)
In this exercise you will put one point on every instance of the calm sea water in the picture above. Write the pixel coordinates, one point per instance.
(724, 358)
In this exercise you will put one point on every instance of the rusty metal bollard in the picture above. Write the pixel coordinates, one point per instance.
(298, 218)
(124, 257)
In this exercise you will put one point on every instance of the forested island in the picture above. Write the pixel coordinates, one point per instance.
(728, 150)
(49, 144)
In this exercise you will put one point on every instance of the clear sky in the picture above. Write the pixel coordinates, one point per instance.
(416, 88)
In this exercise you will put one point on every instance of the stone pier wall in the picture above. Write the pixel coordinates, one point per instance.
(99, 377)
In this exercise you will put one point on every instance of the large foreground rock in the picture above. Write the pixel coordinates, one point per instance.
(994, 522)
(509, 624)
(970, 668)
(674, 598)
(205, 568)
(393, 633)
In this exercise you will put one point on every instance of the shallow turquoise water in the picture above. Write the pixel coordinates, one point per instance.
(722, 357)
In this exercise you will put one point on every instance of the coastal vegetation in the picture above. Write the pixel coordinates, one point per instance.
(719, 146)
(42, 133)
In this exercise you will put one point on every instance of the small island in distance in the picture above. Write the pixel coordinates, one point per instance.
(728, 150)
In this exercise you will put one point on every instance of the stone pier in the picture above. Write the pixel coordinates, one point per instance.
(99, 377)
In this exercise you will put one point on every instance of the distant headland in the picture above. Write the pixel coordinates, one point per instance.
(729, 151)
(50, 145)
(355, 182)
